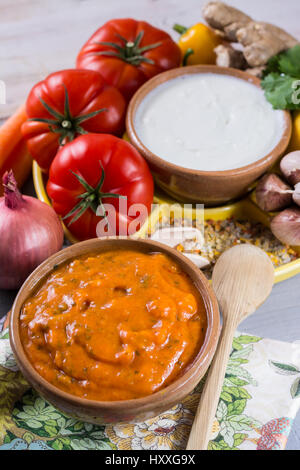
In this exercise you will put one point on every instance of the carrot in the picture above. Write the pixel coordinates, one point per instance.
(13, 151)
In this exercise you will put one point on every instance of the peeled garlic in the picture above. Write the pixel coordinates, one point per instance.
(173, 236)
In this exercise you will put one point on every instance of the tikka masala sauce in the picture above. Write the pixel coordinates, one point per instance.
(114, 326)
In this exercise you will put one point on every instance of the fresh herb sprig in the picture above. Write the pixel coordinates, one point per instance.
(281, 79)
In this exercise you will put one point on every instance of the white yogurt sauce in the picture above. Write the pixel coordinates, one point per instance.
(208, 122)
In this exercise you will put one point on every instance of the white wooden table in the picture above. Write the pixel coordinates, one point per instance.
(39, 37)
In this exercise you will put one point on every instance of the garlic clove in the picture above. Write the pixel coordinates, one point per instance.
(272, 194)
(198, 260)
(286, 226)
(188, 237)
(290, 167)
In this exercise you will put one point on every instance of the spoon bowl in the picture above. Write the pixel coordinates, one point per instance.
(242, 279)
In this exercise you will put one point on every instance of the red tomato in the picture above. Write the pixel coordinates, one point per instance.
(66, 104)
(98, 169)
(128, 52)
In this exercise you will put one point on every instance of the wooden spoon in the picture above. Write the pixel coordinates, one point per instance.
(242, 280)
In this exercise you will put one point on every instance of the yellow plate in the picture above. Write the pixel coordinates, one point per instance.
(246, 209)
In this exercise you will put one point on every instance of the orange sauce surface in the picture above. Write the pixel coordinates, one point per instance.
(114, 326)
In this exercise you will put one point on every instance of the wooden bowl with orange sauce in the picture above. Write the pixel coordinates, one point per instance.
(31, 339)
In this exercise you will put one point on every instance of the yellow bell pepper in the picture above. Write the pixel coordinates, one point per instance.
(197, 44)
(295, 139)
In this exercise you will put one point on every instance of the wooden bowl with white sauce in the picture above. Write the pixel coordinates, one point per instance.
(207, 132)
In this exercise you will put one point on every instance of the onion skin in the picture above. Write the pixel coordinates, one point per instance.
(30, 231)
(290, 167)
(272, 194)
(286, 226)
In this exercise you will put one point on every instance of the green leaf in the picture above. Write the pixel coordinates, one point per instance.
(33, 423)
(239, 439)
(221, 411)
(237, 407)
(51, 430)
(227, 431)
(70, 422)
(29, 410)
(295, 388)
(88, 427)
(224, 446)
(232, 390)
(237, 381)
(78, 426)
(213, 445)
(4, 334)
(236, 345)
(246, 339)
(288, 62)
(243, 422)
(6, 439)
(226, 397)
(280, 79)
(87, 443)
(28, 437)
(65, 440)
(240, 372)
(243, 353)
(61, 422)
(227, 382)
(272, 66)
(244, 393)
(284, 368)
(97, 435)
(51, 422)
(21, 415)
(57, 444)
(237, 360)
(281, 91)
(39, 404)
(49, 414)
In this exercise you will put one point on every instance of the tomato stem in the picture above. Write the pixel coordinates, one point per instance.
(129, 51)
(92, 198)
(66, 125)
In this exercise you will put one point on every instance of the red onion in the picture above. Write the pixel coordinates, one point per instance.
(290, 167)
(286, 226)
(30, 231)
(272, 194)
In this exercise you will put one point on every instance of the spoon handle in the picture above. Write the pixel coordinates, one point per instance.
(202, 426)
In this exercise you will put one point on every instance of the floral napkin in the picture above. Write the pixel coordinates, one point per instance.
(259, 400)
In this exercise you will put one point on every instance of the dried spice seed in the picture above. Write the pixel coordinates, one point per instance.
(219, 235)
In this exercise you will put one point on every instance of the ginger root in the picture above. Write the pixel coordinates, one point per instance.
(227, 56)
(225, 18)
(261, 40)
(256, 71)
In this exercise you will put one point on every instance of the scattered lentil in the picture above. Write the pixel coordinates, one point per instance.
(219, 235)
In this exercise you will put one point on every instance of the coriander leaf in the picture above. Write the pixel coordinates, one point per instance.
(280, 91)
(289, 62)
(272, 66)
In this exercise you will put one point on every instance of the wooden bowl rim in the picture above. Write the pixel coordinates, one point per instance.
(96, 245)
(161, 78)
